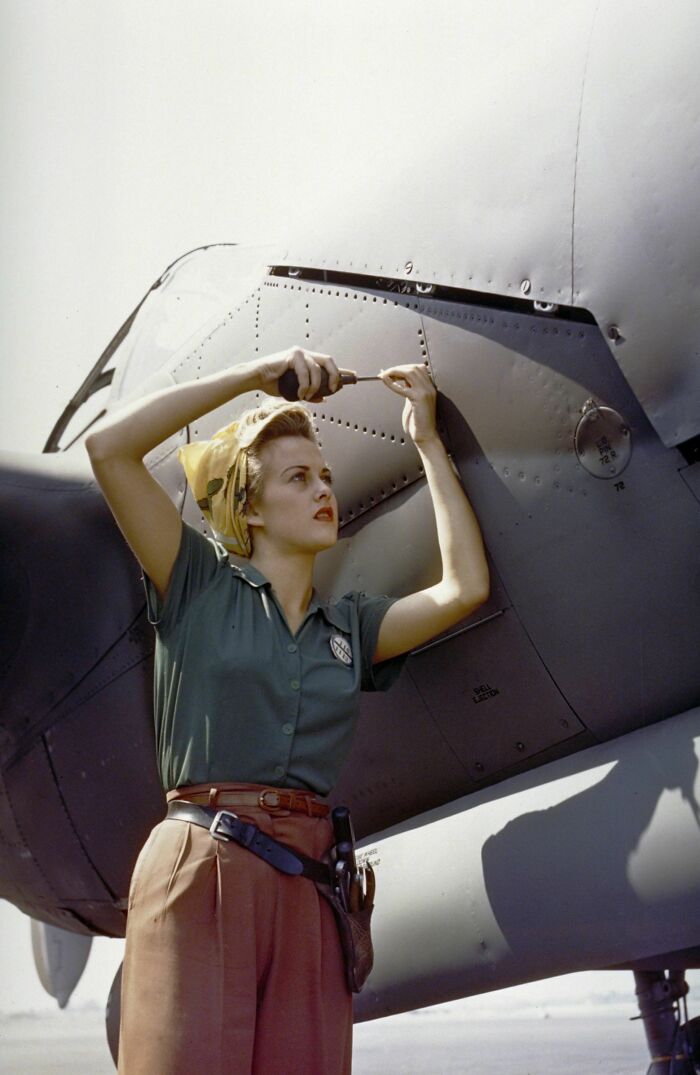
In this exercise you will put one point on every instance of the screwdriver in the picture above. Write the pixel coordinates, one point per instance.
(288, 383)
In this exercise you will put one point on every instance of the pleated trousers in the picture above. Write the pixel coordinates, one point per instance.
(231, 967)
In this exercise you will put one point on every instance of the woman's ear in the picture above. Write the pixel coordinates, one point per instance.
(252, 515)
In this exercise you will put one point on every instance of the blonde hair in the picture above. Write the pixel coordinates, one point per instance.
(293, 420)
(226, 471)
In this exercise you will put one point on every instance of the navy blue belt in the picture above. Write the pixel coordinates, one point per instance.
(225, 825)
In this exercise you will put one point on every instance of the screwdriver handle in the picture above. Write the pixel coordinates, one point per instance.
(288, 384)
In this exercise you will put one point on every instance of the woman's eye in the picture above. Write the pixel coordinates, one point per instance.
(328, 477)
(299, 476)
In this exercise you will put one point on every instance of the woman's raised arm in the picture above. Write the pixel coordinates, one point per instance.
(144, 512)
(464, 585)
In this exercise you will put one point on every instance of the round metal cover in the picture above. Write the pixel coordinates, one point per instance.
(603, 441)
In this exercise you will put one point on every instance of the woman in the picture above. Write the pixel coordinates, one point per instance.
(231, 966)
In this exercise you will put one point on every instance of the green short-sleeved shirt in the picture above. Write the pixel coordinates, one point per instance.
(237, 696)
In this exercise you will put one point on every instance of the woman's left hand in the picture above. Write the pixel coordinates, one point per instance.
(415, 385)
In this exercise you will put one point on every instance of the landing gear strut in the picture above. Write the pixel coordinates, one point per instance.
(673, 1040)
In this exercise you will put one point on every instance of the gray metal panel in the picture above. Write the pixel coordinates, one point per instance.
(97, 739)
(473, 704)
(60, 604)
(589, 862)
(60, 958)
(491, 698)
(478, 192)
(197, 291)
(691, 476)
(468, 707)
(388, 541)
(393, 549)
(76, 699)
(515, 386)
(597, 570)
(397, 752)
(22, 881)
(561, 163)
(55, 847)
(74, 520)
(637, 210)
(360, 428)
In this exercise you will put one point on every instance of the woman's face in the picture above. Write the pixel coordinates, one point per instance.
(297, 507)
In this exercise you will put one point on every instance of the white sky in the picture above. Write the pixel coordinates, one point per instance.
(132, 132)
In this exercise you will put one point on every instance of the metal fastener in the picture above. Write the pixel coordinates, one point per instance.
(525, 287)
(545, 307)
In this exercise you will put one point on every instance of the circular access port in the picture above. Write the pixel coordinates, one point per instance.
(603, 441)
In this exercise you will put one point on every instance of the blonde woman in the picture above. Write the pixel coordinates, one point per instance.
(232, 966)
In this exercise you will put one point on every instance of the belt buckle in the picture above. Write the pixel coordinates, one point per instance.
(271, 807)
(214, 827)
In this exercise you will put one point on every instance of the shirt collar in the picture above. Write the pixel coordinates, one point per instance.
(335, 615)
(251, 574)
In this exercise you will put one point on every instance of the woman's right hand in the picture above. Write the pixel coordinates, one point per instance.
(308, 367)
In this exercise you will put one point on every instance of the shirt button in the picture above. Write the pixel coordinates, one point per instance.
(291, 648)
(294, 684)
(279, 770)
(287, 728)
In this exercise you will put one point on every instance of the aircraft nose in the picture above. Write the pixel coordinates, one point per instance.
(75, 687)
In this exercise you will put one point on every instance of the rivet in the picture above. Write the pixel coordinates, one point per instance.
(520, 746)
(525, 287)
(614, 334)
(479, 767)
(408, 268)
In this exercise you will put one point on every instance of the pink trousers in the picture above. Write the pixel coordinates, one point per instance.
(231, 967)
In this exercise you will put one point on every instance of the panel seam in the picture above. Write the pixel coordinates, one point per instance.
(578, 141)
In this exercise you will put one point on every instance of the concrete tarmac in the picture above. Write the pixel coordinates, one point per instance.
(430, 1042)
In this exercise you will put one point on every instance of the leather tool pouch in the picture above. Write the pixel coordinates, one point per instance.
(354, 929)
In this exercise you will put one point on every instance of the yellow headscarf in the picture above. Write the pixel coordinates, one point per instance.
(217, 473)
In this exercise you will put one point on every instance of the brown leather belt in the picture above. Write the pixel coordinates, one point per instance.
(270, 799)
(227, 826)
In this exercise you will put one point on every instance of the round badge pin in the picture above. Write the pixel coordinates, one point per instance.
(341, 649)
